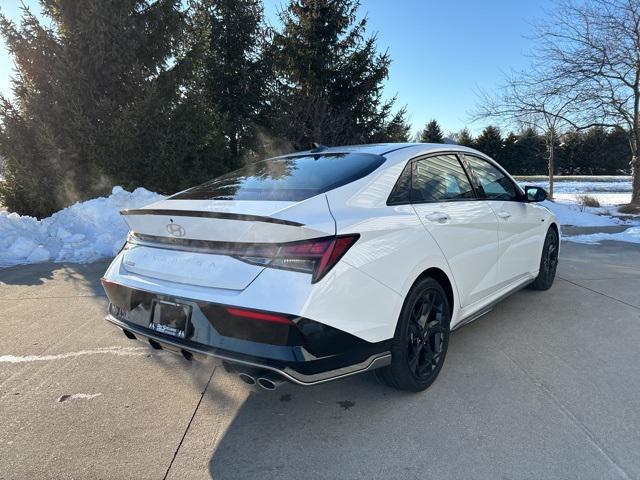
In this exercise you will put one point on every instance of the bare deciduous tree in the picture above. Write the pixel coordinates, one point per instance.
(526, 101)
(585, 73)
(591, 50)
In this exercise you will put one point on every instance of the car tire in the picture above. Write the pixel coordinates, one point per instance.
(548, 262)
(421, 339)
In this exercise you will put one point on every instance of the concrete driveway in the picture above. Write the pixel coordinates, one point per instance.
(545, 386)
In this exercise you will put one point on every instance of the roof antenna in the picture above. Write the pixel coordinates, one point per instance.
(316, 147)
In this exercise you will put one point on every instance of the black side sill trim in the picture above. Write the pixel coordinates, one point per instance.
(203, 214)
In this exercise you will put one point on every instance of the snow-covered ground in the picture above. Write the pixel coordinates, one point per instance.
(81, 233)
(610, 191)
(570, 213)
(630, 235)
(94, 229)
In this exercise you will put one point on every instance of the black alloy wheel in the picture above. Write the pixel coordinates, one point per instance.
(548, 262)
(426, 334)
(421, 340)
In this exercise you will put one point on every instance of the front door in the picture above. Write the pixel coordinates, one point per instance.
(520, 224)
(464, 227)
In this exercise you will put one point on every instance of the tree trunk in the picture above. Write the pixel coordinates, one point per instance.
(635, 180)
(550, 149)
(635, 161)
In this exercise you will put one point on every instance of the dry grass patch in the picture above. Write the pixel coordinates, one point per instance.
(630, 209)
(587, 201)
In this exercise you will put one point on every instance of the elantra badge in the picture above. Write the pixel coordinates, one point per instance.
(176, 230)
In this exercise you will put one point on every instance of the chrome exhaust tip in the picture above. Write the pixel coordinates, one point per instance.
(270, 381)
(246, 378)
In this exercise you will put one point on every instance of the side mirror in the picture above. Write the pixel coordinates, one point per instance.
(535, 194)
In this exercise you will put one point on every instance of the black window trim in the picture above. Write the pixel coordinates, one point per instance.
(409, 164)
(520, 195)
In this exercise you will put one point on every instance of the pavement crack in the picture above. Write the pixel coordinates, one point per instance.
(600, 293)
(592, 437)
(193, 416)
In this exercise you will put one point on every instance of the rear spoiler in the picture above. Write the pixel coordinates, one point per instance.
(205, 214)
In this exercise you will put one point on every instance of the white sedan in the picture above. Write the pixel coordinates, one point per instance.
(321, 264)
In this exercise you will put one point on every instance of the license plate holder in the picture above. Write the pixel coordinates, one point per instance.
(171, 318)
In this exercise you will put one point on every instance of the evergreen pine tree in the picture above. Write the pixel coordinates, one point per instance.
(328, 76)
(569, 151)
(508, 156)
(594, 150)
(397, 129)
(432, 133)
(464, 138)
(490, 142)
(530, 154)
(617, 152)
(93, 95)
(227, 79)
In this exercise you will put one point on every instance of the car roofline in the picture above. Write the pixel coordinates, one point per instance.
(382, 149)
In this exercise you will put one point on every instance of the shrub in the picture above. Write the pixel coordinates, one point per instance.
(587, 201)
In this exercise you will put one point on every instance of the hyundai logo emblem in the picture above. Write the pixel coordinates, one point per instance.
(176, 230)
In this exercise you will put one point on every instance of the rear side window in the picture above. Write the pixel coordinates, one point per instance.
(401, 192)
(287, 179)
(495, 184)
(440, 178)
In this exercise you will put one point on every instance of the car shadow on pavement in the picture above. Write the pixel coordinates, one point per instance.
(359, 428)
(81, 278)
(307, 432)
(484, 417)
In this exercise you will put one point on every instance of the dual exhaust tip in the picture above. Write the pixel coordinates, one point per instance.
(268, 381)
(263, 378)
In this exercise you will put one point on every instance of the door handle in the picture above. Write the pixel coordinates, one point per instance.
(504, 215)
(439, 217)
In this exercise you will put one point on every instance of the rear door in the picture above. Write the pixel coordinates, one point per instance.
(464, 227)
(520, 224)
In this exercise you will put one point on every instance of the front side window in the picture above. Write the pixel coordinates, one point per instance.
(290, 179)
(440, 178)
(495, 184)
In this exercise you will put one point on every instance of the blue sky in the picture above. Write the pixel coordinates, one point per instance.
(443, 52)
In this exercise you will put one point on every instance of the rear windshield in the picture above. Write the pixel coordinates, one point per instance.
(286, 179)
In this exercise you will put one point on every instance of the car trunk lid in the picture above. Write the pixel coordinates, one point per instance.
(182, 240)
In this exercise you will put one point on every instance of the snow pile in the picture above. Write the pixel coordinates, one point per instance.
(631, 235)
(82, 233)
(569, 213)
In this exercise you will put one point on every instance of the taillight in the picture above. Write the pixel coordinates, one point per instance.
(261, 316)
(317, 256)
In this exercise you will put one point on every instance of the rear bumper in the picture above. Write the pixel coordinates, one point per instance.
(288, 373)
(304, 352)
